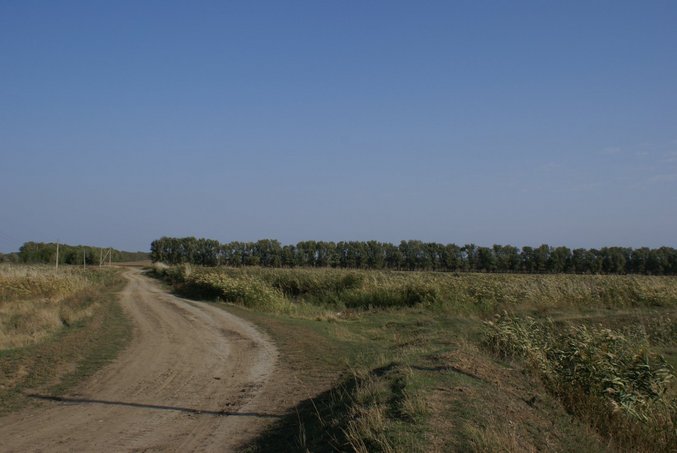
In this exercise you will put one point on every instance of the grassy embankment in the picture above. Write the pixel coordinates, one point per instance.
(56, 328)
(471, 362)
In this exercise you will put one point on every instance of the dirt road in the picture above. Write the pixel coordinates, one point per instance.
(194, 378)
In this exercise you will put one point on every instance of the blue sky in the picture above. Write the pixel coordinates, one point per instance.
(484, 122)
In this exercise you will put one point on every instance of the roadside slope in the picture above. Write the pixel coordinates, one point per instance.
(191, 379)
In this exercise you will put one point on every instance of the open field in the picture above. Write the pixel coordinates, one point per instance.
(472, 362)
(338, 227)
(342, 360)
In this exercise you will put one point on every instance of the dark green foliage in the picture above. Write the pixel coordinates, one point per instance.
(45, 253)
(416, 255)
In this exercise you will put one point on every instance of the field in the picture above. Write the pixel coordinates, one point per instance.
(422, 361)
(56, 327)
(368, 360)
(35, 301)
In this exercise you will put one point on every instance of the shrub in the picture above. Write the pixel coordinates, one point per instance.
(244, 289)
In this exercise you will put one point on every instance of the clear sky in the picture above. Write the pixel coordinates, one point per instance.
(486, 122)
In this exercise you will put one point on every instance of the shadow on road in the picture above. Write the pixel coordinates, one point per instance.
(223, 413)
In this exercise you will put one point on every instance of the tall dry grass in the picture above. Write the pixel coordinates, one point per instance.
(339, 290)
(34, 301)
(609, 378)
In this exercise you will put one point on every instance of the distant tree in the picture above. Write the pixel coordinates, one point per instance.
(268, 252)
(507, 258)
(659, 261)
(409, 255)
(528, 260)
(596, 261)
(560, 260)
(469, 253)
(288, 255)
(542, 257)
(450, 258)
(639, 259)
(614, 260)
(415, 254)
(375, 252)
(392, 256)
(357, 254)
(486, 260)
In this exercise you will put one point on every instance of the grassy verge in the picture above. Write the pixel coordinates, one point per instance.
(70, 354)
(409, 380)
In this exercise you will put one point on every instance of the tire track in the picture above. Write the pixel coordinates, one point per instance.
(191, 379)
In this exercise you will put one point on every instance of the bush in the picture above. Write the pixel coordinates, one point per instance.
(387, 296)
(244, 290)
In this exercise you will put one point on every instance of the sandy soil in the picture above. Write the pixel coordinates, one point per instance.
(195, 378)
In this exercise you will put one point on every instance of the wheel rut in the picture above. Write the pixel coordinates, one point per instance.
(193, 378)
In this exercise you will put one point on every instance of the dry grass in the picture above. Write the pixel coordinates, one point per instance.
(73, 352)
(33, 301)
(339, 290)
(19, 282)
(375, 410)
(495, 439)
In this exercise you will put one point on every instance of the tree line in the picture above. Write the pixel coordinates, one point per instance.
(45, 252)
(417, 255)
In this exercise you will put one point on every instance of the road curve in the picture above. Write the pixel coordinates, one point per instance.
(192, 379)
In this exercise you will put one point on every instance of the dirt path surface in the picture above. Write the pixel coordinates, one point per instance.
(195, 378)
